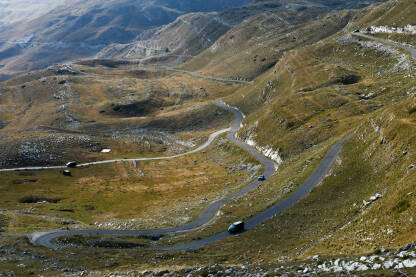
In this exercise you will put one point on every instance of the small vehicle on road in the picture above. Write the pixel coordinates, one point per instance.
(356, 31)
(67, 173)
(236, 227)
(71, 164)
(261, 178)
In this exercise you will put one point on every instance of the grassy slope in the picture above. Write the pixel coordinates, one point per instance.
(328, 221)
(332, 220)
(307, 97)
(304, 91)
(187, 36)
(258, 43)
(318, 98)
(107, 105)
(154, 193)
(390, 14)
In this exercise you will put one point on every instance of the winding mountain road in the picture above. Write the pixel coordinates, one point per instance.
(46, 238)
(211, 138)
(389, 42)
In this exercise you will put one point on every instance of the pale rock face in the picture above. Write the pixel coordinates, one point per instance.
(350, 266)
(214, 47)
(362, 267)
(376, 266)
(409, 263)
(408, 29)
(267, 151)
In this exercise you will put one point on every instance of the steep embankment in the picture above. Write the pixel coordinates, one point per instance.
(190, 34)
(186, 36)
(257, 44)
(316, 93)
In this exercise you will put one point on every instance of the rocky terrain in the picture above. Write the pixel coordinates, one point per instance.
(389, 262)
(130, 29)
(305, 75)
(58, 111)
(400, 261)
(64, 33)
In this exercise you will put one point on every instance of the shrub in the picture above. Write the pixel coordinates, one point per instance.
(35, 199)
(3, 222)
(401, 206)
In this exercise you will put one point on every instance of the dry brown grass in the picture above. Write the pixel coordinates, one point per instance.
(156, 193)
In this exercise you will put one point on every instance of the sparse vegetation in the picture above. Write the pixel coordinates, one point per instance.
(401, 206)
(138, 195)
(37, 199)
(3, 222)
(313, 84)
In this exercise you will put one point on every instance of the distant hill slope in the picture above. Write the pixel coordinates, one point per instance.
(257, 43)
(81, 28)
(187, 35)
(190, 34)
(12, 11)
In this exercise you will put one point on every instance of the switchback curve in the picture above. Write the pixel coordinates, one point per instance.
(46, 238)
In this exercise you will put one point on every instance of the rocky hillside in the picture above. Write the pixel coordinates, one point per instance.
(78, 29)
(13, 11)
(313, 96)
(191, 34)
(46, 115)
(257, 43)
(316, 78)
(186, 36)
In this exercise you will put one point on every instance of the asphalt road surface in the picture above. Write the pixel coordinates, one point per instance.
(46, 238)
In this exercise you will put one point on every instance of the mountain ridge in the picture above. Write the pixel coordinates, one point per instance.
(31, 45)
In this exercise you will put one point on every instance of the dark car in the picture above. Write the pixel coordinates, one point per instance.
(236, 227)
(67, 173)
(71, 164)
(261, 178)
(356, 31)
